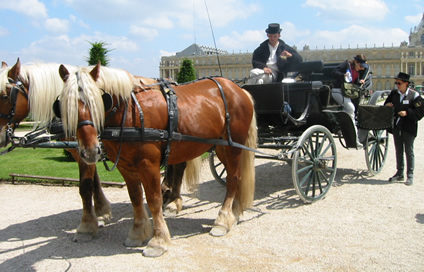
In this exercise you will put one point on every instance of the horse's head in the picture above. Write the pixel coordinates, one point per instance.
(14, 104)
(82, 109)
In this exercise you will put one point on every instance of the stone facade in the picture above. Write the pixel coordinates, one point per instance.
(385, 61)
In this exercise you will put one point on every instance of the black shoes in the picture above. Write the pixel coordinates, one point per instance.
(397, 178)
(409, 181)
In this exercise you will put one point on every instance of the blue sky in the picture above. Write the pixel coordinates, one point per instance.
(140, 31)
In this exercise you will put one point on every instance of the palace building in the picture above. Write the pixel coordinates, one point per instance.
(385, 61)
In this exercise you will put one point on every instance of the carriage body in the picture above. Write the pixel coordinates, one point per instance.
(300, 120)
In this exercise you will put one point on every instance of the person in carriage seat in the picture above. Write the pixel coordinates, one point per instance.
(408, 110)
(357, 72)
(273, 59)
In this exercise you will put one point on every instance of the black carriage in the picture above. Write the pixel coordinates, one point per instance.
(300, 120)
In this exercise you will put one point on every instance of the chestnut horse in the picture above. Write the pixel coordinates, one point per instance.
(39, 85)
(203, 110)
(32, 89)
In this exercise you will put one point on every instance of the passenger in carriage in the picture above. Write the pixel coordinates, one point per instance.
(355, 71)
(273, 58)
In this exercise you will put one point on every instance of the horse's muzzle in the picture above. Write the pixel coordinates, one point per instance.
(90, 155)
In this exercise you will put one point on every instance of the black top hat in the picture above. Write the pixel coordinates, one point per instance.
(273, 29)
(403, 77)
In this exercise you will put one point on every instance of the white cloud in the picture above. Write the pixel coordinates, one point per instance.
(167, 14)
(414, 19)
(252, 38)
(164, 53)
(348, 37)
(160, 21)
(146, 33)
(79, 22)
(241, 40)
(64, 49)
(56, 25)
(122, 43)
(3, 31)
(353, 9)
(32, 8)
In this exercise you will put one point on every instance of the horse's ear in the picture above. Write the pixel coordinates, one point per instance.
(3, 64)
(95, 73)
(63, 72)
(15, 70)
(56, 108)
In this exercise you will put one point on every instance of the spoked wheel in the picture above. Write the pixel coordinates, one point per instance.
(376, 147)
(314, 164)
(217, 168)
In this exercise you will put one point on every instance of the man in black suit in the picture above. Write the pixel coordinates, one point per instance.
(408, 110)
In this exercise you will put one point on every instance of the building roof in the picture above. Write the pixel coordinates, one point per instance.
(200, 50)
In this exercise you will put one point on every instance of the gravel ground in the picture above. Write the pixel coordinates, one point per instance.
(364, 224)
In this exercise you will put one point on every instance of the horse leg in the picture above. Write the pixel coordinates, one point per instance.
(88, 228)
(226, 216)
(161, 236)
(172, 200)
(101, 204)
(141, 229)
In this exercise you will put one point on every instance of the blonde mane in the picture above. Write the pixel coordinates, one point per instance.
(3, 78)
(81, 86)
(45, 85)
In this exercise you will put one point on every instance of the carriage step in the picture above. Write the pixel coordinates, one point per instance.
(332, 109)
(25, 176)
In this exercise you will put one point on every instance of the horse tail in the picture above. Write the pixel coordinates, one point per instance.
(246, 192)
(192, 173)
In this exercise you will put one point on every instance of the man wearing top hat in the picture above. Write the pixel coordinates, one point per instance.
(273, 58)
(408, 109)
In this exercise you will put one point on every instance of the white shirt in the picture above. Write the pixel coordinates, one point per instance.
(402, 96)
(272, 60)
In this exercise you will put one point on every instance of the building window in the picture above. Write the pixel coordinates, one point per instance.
(411, 54)
(379, 70)
(422, 39)
(388, 70)
(411, 69)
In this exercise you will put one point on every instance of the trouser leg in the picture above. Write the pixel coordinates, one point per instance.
(398, 141)
(408, 140)
(257, 76)
(347, 104)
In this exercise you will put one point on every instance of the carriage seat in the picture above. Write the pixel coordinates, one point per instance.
(269, 98)
(308, 67)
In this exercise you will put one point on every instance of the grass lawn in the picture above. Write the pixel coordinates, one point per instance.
(47, 162)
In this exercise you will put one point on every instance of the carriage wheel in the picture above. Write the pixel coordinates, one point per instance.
(314, 164)
(376, 147)
(217, 168)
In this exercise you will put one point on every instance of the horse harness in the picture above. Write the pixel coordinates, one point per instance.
(171, 133)
(16, 88)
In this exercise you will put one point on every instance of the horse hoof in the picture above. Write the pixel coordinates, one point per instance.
(133, 243)
(101, 222)
(82, 237)
(170, 211)
(218, 231)
(153, 252)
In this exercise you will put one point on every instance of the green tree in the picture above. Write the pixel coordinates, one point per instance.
(187, 72)
(98, 52)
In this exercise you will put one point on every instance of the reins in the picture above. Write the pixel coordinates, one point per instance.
(171, 134)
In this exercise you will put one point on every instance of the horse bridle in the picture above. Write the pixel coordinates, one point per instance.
(17, 87)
